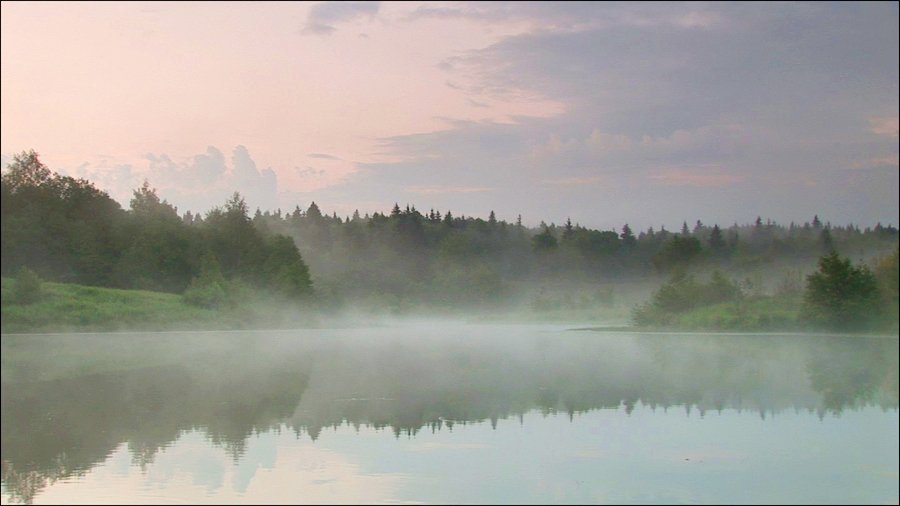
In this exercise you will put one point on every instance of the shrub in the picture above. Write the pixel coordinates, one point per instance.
(208, 295)
(840, 295)
(208, 289)
(682, 294)
(886, 272)
(26, 287)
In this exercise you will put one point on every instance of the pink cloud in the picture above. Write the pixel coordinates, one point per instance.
(881, 161)
(428, 190)
(698, 177)
(884, 125)
(576, 181)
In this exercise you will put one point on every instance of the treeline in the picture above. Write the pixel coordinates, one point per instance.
(439, 259)
(837, 296)
(68, 230)
(65, 229)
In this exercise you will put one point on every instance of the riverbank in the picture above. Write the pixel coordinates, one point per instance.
(64, 307)
(752, 314)
(756, 314)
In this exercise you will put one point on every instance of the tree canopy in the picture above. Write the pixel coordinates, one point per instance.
(840, 295)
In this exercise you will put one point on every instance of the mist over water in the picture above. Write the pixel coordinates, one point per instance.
(73, 405)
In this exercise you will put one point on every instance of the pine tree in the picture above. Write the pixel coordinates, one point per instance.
(313, 212)
(568, 231)
(716, 241)
(627, 237)
(840, 295)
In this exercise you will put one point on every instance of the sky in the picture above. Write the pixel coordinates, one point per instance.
(606, 113)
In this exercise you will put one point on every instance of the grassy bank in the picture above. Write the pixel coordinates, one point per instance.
(77, 308)
(750, 314)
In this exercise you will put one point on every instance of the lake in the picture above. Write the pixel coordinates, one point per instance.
(435, 412)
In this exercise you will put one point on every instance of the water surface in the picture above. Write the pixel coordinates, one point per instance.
(448, 413)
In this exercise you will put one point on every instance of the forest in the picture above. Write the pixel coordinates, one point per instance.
(412, 262)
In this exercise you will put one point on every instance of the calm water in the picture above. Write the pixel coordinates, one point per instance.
(449, 413)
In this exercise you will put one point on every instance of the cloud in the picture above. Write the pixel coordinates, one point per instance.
(577, 181)
(259, 187)
(611, 150)
(209, 167)
(667, 94)
(198, 184)
(698, 19)
(601, 142)
(432, 446)
(309, 171)
(881, 161)
(888, 125)
(324, 16)
(573, 16)
(118, 180)
(427, 190)
(687, 110)
(703, 177)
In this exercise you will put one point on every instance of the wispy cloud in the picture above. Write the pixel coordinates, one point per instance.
(577, 181)
(702, 177)
(309, 172)
(423, 447)
(888, 125)
(323, 156)
(428, 190)
(324, 16)
(881, 161)
(571, 16)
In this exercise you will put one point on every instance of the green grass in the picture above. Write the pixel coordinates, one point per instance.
(65, 307)
(750, 314)
(77, 308)
(754, 313)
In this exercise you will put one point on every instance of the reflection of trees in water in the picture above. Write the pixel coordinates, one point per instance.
(56, 429)
(848, 376)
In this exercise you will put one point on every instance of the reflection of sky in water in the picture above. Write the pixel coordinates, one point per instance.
(600, 456)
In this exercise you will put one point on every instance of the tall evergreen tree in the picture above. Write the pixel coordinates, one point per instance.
(627, 236)
(716, 241)
(314, 213)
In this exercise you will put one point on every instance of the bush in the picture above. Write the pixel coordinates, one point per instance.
(886, 272)
(208, 289)
(26, 287)
(840, 295)
(208, 295)
(682, 294)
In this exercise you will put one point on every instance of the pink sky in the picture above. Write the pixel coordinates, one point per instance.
(603, 112)
(105, 83)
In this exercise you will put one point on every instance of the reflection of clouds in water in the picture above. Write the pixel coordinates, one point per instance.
(548, 458)
(276, 468)
(191, 454)
(261, 453)
(590, 408)
(424, 447)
